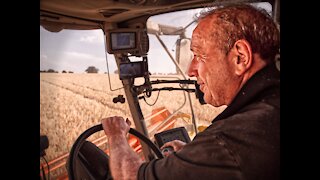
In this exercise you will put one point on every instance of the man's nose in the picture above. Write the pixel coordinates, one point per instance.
(193, 69)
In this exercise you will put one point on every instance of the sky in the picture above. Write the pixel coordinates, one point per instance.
(75, 50)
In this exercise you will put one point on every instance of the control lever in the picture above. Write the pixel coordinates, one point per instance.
(119, 98)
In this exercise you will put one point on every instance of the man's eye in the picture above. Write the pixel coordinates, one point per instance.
(197, 58)
(200, 59)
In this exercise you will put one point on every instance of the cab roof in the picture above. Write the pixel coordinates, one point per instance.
(56, 15)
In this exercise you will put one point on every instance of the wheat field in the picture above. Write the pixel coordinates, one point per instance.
(72, 103)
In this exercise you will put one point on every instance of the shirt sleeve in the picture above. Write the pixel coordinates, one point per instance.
(206, 157)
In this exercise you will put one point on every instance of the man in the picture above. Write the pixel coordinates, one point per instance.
(234, 49)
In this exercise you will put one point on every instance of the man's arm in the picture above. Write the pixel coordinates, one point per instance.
(124, 162)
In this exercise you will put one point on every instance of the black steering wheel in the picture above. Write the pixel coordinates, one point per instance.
(87, 161)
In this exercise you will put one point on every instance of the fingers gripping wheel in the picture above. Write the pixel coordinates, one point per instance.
(87, 161)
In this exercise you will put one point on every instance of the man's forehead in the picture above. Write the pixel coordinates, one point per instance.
(195, 42)
(199, 36)
(204, 26)
(198, 45)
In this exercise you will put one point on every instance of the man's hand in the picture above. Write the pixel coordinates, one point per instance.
(115, 126)
(175, 144)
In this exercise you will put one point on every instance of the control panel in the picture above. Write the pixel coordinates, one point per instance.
(179, 133)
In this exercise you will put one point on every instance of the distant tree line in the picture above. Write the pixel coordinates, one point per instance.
(49, 71)
(90, 69)
(54, 71)
(93, 69)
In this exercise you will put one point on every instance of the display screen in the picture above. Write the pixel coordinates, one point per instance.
(130, 70)
(166, 137)
(179, 133)
(123, 40)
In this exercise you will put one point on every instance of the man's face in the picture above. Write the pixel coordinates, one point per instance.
(210, 65)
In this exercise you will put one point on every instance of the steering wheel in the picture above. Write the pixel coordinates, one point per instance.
(87, 161)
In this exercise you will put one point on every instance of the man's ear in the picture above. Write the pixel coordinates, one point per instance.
(242, 56)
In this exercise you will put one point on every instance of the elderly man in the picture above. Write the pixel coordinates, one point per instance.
(234, 49)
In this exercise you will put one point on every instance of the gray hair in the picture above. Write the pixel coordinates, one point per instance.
(243, 21)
